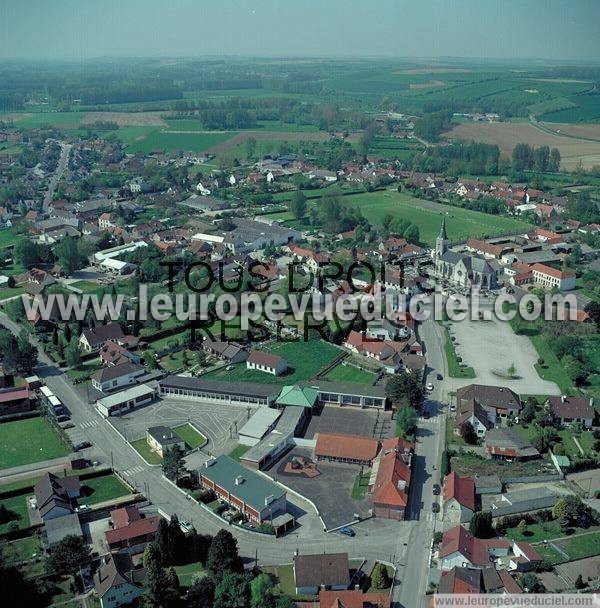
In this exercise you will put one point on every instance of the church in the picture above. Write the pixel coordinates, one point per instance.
(463, 269)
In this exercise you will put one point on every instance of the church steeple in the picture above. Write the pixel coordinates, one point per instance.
(441, 243)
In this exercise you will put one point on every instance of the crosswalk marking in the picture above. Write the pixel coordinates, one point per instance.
(88, 424)
(133, 470)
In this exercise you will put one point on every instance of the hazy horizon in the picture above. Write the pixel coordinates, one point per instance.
(508, 30)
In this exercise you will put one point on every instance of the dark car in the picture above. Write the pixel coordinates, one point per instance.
(435, 507)
(347, 531)
(440, 377)
(82, 446)
(436, 488)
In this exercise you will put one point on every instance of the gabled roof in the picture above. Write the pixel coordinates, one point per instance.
(258, 357)
(134, 529)
(102, 333)
(571, 407)
(354, 598)
(490, 396)
(330, 569)
(346, 446)
(461, 580)
(117, 570)
(106, 374)
(394, 473)
(461, 489)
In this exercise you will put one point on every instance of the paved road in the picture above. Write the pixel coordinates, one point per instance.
(58, 173)
(376, 538)
(414, 569)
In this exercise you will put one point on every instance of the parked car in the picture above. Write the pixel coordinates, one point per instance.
(82, 508)
(436, 488)
(82, 446)
(185, 526)
(429, 386)
(435, 507)
(347, 531)
(440, 377)
(230, 368)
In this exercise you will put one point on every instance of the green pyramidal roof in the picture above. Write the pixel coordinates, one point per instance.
(299, 396)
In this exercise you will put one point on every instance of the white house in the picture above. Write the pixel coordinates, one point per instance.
(265, 362)
(117, 581)
(116, 376)
(458, 500)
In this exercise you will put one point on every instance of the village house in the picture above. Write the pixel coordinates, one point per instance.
(327, 571)
(549, 277)
(498, 402)
(266, 362)
(230, 352)
(115, 354)
(93, 339)
(458, 499)
(472, 412)
(161, 438)
(131, 530)
(113, 377)
(506, 443)
(117, 581)
(572, 410)
(55, 496)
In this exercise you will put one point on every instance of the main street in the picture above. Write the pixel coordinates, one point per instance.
(65, 150)
(414, 570)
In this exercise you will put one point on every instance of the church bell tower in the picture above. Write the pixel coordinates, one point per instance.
(441, 243)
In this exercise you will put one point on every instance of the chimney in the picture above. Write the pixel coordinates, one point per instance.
(562, 398)
(401, 485)
(239, 480)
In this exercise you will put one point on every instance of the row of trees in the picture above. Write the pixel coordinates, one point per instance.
(530, 158)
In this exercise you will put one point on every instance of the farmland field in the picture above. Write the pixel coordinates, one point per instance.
(29, 440)
(585, 131)
(427, 215)
(164, 140)
(506, 135)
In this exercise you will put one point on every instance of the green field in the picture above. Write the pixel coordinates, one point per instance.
(22, 550)
(305, 360)
(349, 373)
(168, 142)
(9, 237)
(586, 108)
(193, 437)
(143, 449)
(102, 489)
(30, 440)
(427, 216)
(186, 573)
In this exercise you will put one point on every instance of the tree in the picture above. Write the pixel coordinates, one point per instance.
(531, 583)
(67, 556)
(27, 253)
(232, 591)
(201, 594)
(11, 282)
(178, 541)
(579, 584)
(70, 255)
(18, 591)
(298, 205)
(570, 507)
(380, 579)
(554, 160)
(223, 553)
(445, 466)
(250, 147)
(173, 465)
(55, 335)
(406, 388)
(285, 601)
(480, 525)
(522, 527)
(198, 546)
(468, 433)
(161, 588)
(406, 421)
(412, 234)
(529, 409)
(26, 356)
(163, 544)
(261, 589)
(72, 354)
(67, 333)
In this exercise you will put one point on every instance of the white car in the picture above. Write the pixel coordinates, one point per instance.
(185, 526)
(82, 509)
(429, 386)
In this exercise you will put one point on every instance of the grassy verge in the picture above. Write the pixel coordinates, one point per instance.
(361, 485)
(455, 368)
(102, 489)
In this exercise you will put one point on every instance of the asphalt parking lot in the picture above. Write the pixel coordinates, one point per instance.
(217, 422)
(349, 421)
(330, 491)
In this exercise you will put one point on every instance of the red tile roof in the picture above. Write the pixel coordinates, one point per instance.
(258, 357)
(552, 272)
(393, 470)
(135, 529)
(353, 599)
(462, 489)
(346, 446)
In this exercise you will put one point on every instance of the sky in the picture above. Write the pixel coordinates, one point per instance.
(482, 29)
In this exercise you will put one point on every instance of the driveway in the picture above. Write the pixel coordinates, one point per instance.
(492, 346)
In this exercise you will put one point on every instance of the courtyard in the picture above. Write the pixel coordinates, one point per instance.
(350, 421)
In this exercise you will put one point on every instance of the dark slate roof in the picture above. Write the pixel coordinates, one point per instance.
(116, 371)
(249, 389)
(331, 569)
(117, 570)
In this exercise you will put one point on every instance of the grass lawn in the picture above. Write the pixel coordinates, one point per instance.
(450, 436)
(172, 362)
(84, 370)
(543, 531)
(461, 223)
(9, 236)
(576, 547)
(349, 373)
(143, 449)
(27, 441)
(11, 292)
(188, 572)
(90, 287)
(305, 360)
(361, 485)
(285, 579)
(17, 506)
(101, 489)
(238, 451)
(191, 435)
(21, 550)
(455, 368)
